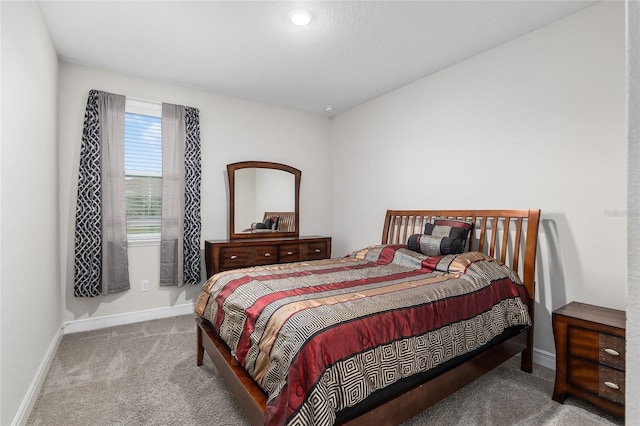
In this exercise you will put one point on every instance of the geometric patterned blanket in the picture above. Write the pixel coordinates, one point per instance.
(322, 336)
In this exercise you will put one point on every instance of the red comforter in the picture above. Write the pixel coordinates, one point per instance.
(322, 336)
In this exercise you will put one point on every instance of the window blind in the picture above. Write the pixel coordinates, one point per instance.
(143, 170)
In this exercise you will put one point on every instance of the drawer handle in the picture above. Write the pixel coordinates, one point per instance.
(612, 352)
(289, 253)
(267, 254)
(233, 257)
(611, 385)
(317, 250)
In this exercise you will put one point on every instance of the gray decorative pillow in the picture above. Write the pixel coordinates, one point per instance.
(272, 222)
(448, 228)
(432, 245)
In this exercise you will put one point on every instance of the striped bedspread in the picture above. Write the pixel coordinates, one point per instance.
(321, 336)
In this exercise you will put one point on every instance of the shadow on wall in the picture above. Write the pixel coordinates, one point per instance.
(554, 239)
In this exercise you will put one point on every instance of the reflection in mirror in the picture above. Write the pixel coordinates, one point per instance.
(263, 199)
(259, 191)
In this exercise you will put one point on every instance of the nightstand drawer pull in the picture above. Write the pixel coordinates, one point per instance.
(233, 257)
(289, 253)
(612, 352)
(267, 254)
(611, 385)
(317, 250)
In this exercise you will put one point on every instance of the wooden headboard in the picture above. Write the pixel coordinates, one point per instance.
(507, 235)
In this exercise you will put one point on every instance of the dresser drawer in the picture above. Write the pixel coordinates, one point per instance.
(316, 251)
(289, 253)
(597, 379)
(265, 255)
(234, 257)
(242, 257)
(598, 347)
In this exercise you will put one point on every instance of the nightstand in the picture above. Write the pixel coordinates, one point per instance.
(590, 355)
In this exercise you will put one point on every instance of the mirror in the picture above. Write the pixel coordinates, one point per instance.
(263, 200)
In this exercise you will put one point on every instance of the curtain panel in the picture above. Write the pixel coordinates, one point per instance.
(101, 263)
(181, 179)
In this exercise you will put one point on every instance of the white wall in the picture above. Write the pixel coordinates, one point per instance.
(30, 313)
(231, 130)
(538, 122)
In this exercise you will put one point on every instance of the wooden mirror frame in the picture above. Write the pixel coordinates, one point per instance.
(231, 172)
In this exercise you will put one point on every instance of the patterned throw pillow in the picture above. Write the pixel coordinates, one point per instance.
(432, 245)
(448, 228)
(272, 223)
(457, 223)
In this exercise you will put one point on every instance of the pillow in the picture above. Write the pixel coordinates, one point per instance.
(448, 228)
(272, 222)
(432, 245)
(453, 222)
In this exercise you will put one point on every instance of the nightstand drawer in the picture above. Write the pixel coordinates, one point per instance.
(598, 347)
(612, 351)
(597, 379)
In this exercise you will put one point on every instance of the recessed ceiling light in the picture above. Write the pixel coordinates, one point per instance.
(328, 109)
(300, 17)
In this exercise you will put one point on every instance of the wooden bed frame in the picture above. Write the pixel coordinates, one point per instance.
(508, 235)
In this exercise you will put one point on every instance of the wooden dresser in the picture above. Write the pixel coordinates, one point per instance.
(222, 255)
(590, 355)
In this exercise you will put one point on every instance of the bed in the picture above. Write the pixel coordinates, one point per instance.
(383, 333)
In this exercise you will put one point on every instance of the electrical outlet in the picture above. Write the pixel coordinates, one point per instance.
(144, 285)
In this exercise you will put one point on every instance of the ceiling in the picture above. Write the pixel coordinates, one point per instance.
(351, 52)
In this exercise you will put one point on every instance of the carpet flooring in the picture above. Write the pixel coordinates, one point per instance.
(146, 374)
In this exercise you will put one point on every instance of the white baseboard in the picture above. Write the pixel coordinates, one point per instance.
(544, 358)
(127, 318)
(31, 396)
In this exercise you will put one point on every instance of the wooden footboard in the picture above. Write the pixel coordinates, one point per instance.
(508, 235)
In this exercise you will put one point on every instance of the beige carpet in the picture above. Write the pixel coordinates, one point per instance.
(146, 374)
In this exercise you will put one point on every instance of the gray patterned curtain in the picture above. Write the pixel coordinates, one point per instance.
(181, 176)
(101, 265)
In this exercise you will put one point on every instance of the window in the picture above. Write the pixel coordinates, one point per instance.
(143, 168)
